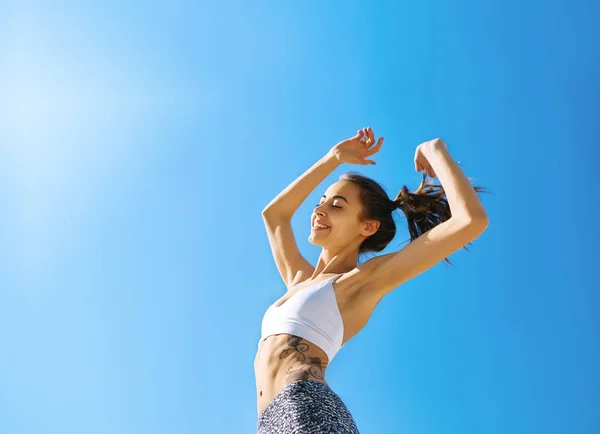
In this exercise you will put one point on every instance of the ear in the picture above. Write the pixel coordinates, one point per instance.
(369, 227)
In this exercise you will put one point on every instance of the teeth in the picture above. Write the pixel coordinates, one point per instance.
(320, 226)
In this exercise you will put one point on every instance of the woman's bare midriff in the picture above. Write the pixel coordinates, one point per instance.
(282, 359)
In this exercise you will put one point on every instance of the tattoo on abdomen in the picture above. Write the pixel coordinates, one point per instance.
(311, 366)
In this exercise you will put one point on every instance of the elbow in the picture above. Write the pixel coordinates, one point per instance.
(473, 225)
(269, 211)
(478, 223)
(274, 214)
(480, 219)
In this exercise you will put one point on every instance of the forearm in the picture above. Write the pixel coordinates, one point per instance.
(290, 199)
(462, 197)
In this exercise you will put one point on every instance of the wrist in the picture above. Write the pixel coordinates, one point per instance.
(435, 146)
(332, 158)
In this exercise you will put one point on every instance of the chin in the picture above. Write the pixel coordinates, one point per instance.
(315, 241)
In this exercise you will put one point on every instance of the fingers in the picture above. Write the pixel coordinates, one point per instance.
(367, 137)
(376, 148)
(367, 132)
(420, 167)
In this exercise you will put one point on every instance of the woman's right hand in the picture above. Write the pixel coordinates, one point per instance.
(356, 149)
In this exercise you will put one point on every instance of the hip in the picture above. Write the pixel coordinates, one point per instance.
(306, 406)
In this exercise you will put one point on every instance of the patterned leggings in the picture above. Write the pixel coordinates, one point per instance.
(306, 407)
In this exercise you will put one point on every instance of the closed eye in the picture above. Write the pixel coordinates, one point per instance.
(333, 206)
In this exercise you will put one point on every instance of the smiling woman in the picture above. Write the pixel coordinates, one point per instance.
(326, 305)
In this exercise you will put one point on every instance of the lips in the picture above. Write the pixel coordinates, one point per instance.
(321, 222)
(318, 229)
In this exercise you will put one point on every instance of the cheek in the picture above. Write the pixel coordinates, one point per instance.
(346, 228)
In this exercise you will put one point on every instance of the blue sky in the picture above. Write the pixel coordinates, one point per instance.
(139, 142)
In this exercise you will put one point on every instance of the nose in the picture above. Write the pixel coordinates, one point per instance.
(319, 211)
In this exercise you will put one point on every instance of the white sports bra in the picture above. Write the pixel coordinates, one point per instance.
(311, 313)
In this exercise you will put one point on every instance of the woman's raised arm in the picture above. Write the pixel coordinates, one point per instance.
(354, 150)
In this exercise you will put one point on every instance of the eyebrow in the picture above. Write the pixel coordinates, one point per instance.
(337, 197)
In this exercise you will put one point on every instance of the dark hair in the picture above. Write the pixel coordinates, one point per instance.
(424, 208)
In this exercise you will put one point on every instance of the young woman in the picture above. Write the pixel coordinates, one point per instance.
(326, 305)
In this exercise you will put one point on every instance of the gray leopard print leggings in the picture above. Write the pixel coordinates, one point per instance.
(306, 407)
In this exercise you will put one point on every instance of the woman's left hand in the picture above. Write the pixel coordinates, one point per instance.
(421, 162)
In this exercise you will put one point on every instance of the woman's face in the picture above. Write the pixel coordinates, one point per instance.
(340, 209)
